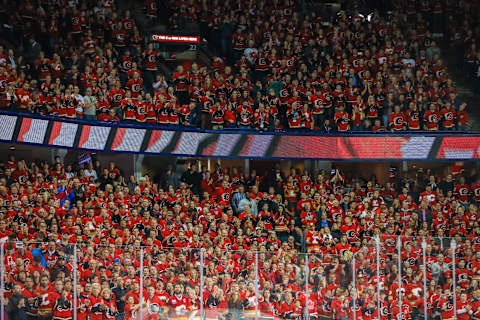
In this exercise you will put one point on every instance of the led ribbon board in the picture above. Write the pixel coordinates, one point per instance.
(174, 38)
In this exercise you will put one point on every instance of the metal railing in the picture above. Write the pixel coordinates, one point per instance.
(388, 277)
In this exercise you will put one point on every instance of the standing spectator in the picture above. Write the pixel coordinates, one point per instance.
(33, 51)
(237, 197)
(90, 108)
(193, 178)
(239, 42)
(90, 172)
(432, 118)
(248, 201)
(17, 304)
(169, 178)
(226, 31)
(462, 118)
(180, 79)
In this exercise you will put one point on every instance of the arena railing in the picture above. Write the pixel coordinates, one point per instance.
(415, 277)
(386, 278)
(207, 276)
(302, 132)
(124, 138)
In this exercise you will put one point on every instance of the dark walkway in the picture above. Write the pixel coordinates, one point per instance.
(465, 91)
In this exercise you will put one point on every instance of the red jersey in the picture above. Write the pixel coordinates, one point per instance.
(223, 194)
(446, 308)
(342, 119)
(413, 118)
(116, 96)
(47, 301)
(179, 306)
(397, 121)
(63, 310)
(163, 115)
(476, 191)
(135, 86)
(317, 103)
(462, 191)
(372, 111)
(180, 80)
(150, 58)
(340, 309)
(308, 217)
(129, 108)
(462, 117)
(239, 41)
(126, 64)
(432, 118)
(448, 116)
(287, 310)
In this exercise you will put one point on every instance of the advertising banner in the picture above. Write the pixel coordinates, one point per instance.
(96, 136)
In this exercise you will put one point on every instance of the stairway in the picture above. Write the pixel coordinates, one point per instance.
(465, 91)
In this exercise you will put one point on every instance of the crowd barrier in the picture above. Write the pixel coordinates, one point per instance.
(387, 278)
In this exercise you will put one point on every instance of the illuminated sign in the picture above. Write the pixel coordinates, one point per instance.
(174, 38)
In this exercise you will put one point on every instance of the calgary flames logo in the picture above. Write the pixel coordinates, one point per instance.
(327, 307)
(449, 116)
(449, 306)
(351, 234)
(398, 121)
(412, 261)
(117, 97)
(390, 242)
(384, 311)
(226, 197)
(136, 87)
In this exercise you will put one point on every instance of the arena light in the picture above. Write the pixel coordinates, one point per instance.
(174, 38)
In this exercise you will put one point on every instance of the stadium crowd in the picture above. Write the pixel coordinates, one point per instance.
(88, 60)
(50, 210)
